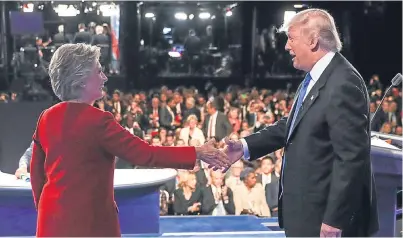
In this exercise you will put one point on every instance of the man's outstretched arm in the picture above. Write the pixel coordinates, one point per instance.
(265, 141)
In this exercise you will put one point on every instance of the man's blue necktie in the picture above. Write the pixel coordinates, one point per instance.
(300, 100)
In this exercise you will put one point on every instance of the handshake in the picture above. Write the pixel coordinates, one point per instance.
(220, 159)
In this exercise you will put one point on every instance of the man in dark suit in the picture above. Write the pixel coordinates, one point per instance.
(167, 115)
(326, 186)
(271, 190)
(82, 36)
(217, 199)
(216, 123)
(102, 41)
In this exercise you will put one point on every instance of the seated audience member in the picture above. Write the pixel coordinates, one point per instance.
(217, 199)
(180, 142)
(191, 109)
(187, 197)
(272, 190)
(266, 174)
(249, 197)
(164, 205)
(173, 184)
(234, 175)
(191, 131)
(233, 117)
(24, 162)
(162, 133)
(170, 139)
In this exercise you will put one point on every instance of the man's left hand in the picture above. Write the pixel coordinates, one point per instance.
(328, 231)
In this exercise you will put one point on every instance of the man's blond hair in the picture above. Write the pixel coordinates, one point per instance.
(316, 23)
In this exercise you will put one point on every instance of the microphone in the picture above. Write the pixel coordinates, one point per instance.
(395, 82)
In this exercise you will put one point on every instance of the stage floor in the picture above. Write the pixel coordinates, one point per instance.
(216, 226)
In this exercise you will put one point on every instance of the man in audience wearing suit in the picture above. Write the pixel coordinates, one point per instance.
(271, 190)
(153, 112)
(117, 104)
(203, 175)
(167, 115)
(217, 199)
(267, 171)
(82, 36)
(216, 124)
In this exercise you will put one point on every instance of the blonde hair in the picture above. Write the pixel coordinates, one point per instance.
(183, 183)
(191, 117)
(316, 23)
(70, 66)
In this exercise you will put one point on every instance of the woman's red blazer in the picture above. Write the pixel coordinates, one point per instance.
(72, 169)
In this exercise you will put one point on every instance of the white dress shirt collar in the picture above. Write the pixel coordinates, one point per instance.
(321, 65)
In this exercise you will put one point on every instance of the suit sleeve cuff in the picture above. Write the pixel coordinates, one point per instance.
(246, 154)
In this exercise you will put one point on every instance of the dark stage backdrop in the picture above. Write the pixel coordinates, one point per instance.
(17, 125)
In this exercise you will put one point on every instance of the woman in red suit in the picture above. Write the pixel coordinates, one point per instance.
(75, 144)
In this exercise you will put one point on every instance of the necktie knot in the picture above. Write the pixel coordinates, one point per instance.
(307, 79)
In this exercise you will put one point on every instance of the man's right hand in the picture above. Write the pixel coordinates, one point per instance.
(215, 158)
(21, 171)
(234, 150)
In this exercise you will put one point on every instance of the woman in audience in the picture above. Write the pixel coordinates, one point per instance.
(249, 197)
(75, 145)
(191, 131)
(234, 175)
(233, 117)
(187, 197)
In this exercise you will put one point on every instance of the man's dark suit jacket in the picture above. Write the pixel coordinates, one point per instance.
(103, 42)
(165, 118)
(327, 174)
(192, 111)
(201, 178)
(271, 190)
(208, 202)
(222, 126)
(83, 37)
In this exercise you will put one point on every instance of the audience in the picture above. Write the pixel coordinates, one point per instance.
(184, 116)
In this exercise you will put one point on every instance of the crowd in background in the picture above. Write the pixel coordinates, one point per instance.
(185, 116)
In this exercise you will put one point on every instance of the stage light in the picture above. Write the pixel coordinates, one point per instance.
(204, 15)
(181, 16)
(66, 10)
(28, 7)
(108, 10)
(228, 13)
(288, 15)
(298, 5)
(149, 15)
(166, 30)
(174, 54)
(191, 16)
